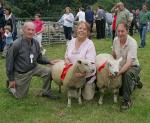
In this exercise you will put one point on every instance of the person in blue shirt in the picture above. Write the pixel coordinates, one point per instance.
(89, 16)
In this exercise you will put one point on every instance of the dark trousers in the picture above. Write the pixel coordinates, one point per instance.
(129, 80)
(2, 44)
(113, 35)
(68, 32)
(91, 25)
(100, 28)
(133, 24)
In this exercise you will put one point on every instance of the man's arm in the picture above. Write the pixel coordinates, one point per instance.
(114, 54)
(10, 61)
(126, 66)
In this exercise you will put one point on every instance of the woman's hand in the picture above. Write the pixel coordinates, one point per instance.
(78, 75)
(67, 61)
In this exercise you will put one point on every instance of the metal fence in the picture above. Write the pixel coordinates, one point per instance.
(53, 32)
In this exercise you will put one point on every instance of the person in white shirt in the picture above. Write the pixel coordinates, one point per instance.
(67, 21)
(80, 15)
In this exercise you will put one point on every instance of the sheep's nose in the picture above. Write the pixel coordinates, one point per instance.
(92, 71)
(115, 73)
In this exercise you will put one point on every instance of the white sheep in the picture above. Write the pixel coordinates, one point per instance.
(106, 65)
(71, 83)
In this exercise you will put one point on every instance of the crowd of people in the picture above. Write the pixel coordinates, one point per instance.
(23, 55)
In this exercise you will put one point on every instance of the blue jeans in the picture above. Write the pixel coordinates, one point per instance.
(143, 31)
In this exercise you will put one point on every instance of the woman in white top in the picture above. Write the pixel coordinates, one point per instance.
(67, 20)
(83, 48)
(80, 15)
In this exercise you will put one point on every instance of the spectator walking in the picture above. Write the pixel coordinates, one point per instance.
(143, 23)
(89, 17)
(133, 23)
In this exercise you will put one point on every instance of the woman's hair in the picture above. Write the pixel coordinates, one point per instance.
(86, 25)
(68, 8)
(38, 15)
(2, 2)
(8, 9)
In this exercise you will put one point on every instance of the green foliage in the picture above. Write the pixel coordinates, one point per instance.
(53, 8)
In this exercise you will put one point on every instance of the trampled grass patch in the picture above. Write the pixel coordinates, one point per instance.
(33, 109)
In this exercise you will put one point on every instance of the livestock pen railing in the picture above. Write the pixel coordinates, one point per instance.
(53, 32)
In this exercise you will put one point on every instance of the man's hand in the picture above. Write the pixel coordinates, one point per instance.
(12, 84)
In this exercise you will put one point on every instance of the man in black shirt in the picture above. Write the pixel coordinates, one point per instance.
(22, 63)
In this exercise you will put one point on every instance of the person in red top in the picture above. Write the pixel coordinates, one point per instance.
(39, 28)
(114, 26)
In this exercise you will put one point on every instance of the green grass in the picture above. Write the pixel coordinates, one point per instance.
(33, 109)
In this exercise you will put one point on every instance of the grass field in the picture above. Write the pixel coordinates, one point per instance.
(33, 109)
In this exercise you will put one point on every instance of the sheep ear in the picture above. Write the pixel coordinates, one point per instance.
(120, 59)
(79, 61)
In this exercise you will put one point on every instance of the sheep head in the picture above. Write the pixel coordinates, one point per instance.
(85, 66)
(114, 65)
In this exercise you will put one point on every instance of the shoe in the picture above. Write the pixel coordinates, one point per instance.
(50, 96)
(125, 105)
(139, 84)
(7, 83)
(141, 47)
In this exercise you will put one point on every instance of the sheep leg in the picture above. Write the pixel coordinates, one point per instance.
(79, 96)
(116, 91)
(100, 102)
(59, 88)
(69, 99)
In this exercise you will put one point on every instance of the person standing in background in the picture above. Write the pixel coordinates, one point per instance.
(123, 15)
(10, 20)
(89, 17)
(100, 23)
(144, 17)
(8, 40)
(114, 26)
(67, 20)
(80, 15)
(39, 29)
(1, 26)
